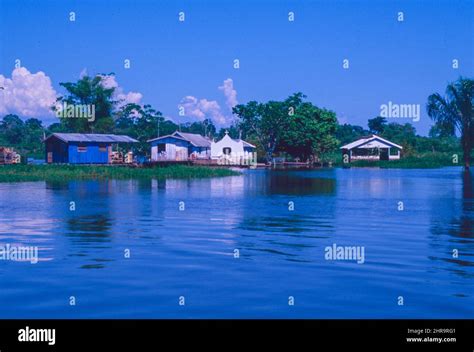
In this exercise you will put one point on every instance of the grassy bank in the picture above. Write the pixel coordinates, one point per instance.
(421, 161)
(21, 173)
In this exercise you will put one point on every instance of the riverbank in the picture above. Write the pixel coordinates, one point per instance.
(420, 161)
(411, 162)
(23, 173)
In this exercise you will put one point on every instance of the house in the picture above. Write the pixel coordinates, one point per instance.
(371, 148)
(79, 148)
(180, 146)
(232, 151)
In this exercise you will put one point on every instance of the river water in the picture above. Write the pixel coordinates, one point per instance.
(250, 246)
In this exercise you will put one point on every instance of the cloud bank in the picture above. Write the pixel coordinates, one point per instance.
(210, 109)
(119, 94)
(27, 94)
(229, 92)
(202, 109)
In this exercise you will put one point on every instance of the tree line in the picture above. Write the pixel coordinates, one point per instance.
(294, 128)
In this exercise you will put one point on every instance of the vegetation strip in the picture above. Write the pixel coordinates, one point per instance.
(20, 173)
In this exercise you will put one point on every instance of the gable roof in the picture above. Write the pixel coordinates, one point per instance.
(195, 139)
(246, 144)
(167, 136)
(92, 137)
(365, 140)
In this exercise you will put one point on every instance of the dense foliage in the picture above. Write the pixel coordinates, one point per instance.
(293, 128)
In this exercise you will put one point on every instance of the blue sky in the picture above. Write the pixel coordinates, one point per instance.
(402, 62)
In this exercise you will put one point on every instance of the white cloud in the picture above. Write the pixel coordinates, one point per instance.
(229, 92)
(32, 94)
(27, 94)
(203, 108)
(130, 97)
(119, 94)
(83, 73)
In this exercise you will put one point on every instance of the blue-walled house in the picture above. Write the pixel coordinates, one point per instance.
(180, 146)
(79, 148)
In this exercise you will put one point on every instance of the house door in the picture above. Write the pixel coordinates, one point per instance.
(383, 153)
(50, 157)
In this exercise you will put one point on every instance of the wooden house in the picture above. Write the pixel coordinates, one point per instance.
(180, 146)
(79, 148)
(371, 148)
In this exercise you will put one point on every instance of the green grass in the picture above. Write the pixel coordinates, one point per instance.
(23, 173)
(420, 161)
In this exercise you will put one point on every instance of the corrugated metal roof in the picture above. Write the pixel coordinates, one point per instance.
(92, 137)
(195, 139)
(167, 136)
(365, 140)
(355, 143)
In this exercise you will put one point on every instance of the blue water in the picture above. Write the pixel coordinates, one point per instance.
(190, 252)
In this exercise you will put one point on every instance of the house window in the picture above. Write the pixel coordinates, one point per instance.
(102, 147)
(226, 150)
(81, 148)
(161, 148)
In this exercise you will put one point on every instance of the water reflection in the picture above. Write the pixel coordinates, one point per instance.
(458, 214)
(88, 224)
(295, 183)
(191, 251)
(90, 237)
(284, 223)
(465, 222)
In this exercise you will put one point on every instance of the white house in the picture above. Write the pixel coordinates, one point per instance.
(180, 146)
(372, 148)
(233, 151)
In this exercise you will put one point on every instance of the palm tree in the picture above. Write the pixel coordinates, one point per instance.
(457, 110)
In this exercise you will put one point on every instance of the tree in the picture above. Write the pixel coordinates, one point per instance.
(404, 135)
(12, 129)
(34, 134)
(293, 126)
(140, 122)
(204, 128)
(456, 109)
(377, 124)
(91, 92)
(349, 133)
(233, 130)
(442, 130)
(264, 121)
(310, 130)
(56, 127)
(167, 127)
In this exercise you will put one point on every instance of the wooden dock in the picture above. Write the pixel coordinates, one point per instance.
(214, 163)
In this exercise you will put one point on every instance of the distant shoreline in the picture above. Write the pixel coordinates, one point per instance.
(34, 173)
